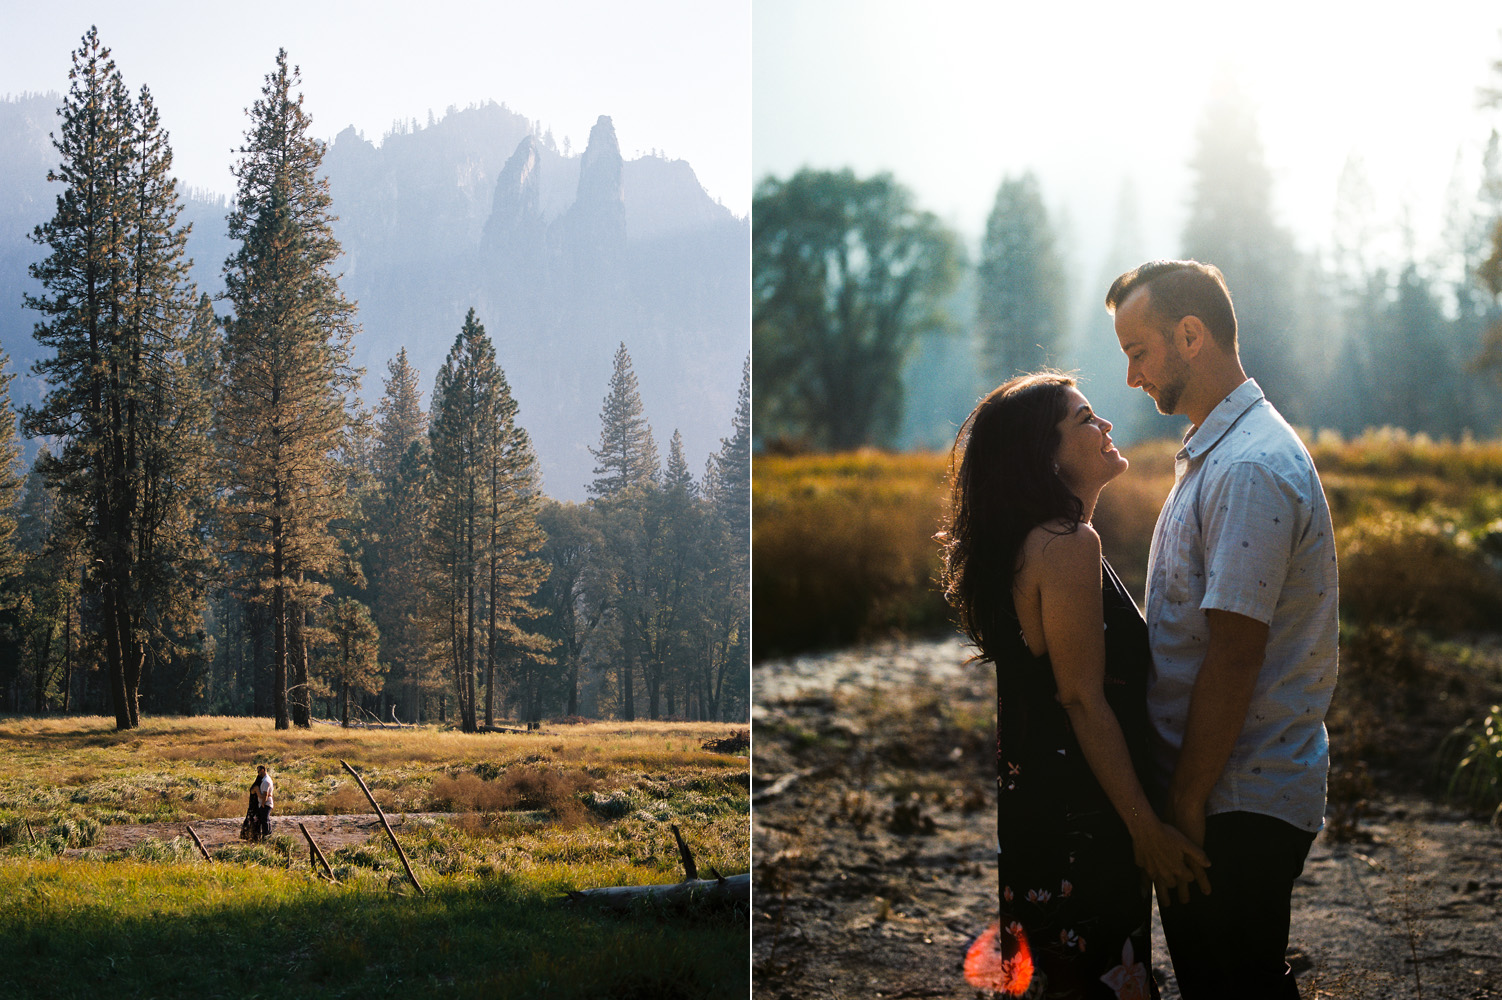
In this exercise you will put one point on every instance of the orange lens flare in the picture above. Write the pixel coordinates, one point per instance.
(987, 968)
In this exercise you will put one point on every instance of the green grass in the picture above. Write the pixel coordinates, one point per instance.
(534, 817)
(130, 928)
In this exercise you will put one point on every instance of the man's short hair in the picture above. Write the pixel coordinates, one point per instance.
(1179, 288)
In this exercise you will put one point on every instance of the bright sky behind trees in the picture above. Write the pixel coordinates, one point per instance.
(951, 95)
(673, 74)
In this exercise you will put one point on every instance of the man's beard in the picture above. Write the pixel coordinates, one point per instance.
(1169, 392)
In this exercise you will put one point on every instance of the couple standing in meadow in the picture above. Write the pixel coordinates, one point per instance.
(1187, 750)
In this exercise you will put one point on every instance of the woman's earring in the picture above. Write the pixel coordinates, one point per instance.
(1056, 468)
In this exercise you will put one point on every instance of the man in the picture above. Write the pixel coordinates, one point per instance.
(262, 791)
(1241, 611)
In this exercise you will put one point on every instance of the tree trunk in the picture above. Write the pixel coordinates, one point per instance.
(278, 629)
(300, 698)
(44, 670)
(573, 685)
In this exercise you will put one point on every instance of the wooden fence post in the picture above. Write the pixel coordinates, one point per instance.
(198, 843)
(382, 817)
(315, 856)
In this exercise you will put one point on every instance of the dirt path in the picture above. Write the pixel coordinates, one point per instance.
(331, 832)
(874, 850)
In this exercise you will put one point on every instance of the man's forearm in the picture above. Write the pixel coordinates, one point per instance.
(1218, 706)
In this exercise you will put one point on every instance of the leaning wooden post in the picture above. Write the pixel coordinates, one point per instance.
(315, 856)
(199, 843)
(382, 817)
(29, 831)
(690, 870)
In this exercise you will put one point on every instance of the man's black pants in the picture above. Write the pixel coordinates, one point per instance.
(1230, 944)
(263, 820)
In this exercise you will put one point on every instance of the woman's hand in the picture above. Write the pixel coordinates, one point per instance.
(1170, 860)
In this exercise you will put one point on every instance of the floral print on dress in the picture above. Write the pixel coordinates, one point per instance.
(1130, 979)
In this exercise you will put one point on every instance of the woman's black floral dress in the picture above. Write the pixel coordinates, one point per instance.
(1069, 886)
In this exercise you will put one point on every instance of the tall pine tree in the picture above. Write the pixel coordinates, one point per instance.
(287, 369)
(625, 479)
(461, 434)
(115, 312)
(398, 516)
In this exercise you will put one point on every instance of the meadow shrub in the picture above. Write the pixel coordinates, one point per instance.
(162, 851)
(76, 831)
(1474, 751)
(613, 804)
(1401, 567)
(843, 548)
(1386, 666)
(555, 792)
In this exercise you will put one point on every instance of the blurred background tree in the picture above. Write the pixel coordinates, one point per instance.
(1021, 308)
(847, 273)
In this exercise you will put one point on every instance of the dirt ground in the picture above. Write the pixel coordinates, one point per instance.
(874, 865)
(330, 832)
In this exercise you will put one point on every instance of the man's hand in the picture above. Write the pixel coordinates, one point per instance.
(1189, 818)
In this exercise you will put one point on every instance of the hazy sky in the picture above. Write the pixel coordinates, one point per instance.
(951, 96)
(674, 75)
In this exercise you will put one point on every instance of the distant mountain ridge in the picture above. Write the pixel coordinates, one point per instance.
(562, 256)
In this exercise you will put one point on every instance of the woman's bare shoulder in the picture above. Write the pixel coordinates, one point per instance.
(1058, 550)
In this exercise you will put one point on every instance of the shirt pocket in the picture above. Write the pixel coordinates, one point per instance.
(1181, 573)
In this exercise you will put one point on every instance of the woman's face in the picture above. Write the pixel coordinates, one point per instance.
(1086, 458)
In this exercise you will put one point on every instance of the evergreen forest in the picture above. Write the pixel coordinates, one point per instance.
(863, 296)
(216, 522)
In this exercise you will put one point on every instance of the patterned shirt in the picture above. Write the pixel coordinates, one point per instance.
(1246, 529)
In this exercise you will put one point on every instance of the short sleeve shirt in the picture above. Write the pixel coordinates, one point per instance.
(1246, 529)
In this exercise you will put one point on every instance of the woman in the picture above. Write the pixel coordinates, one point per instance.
(1077, 838)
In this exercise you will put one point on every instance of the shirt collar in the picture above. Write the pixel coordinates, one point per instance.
(1201, 439)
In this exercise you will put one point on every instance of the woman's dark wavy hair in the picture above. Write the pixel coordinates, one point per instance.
(1002, 486)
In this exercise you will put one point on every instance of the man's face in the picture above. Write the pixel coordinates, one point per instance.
(1153, 362)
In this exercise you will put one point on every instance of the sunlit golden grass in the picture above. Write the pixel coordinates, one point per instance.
(171, 769)
(844, 550)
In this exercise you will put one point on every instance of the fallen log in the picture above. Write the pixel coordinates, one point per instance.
(735, 889)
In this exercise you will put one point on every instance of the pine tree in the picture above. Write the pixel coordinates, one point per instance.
(11, 482)
(723, 659)
(1020, 310)
(626, 474)
(675, 528)
(397, 513)
(12, 560)
(516, 571)
(460, 435)
(351, 659)
(482, 534)
(1231, 225)
(287, 367)
(400, 420)
(115, 310)
(627, 457)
